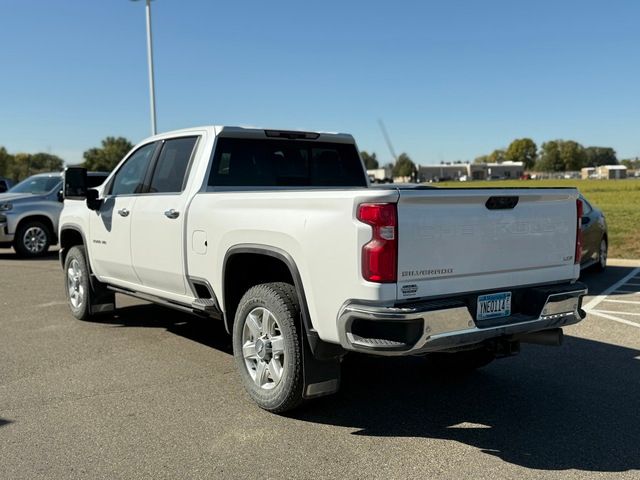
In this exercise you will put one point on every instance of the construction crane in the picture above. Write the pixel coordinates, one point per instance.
(387, 140)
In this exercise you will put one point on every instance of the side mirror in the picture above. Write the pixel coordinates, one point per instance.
(93, 201)
(585, 220)
(61, 196)
(75, 183)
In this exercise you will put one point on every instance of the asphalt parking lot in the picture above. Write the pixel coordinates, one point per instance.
(152, 393)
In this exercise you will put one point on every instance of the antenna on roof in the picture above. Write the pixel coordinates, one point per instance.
(387, 139)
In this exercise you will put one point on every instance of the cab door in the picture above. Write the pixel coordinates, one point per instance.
(157, 232)
(110, 225)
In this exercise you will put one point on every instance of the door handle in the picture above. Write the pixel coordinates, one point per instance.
(172, 213)
(123, 212)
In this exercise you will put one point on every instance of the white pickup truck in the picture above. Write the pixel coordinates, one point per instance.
(279, 235)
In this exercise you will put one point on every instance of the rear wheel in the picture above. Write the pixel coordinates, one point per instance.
(602, 256)
(32, 239)
(267, 346)
(458, 363)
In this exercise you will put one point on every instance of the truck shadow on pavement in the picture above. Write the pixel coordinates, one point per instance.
(573, 407)
(7, 254)
(206, 331)
(576, 407)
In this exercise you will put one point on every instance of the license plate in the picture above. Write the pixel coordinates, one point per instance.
(494, 305)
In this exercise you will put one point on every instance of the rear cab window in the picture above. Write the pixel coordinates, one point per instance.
(243, 162)
(171, 168)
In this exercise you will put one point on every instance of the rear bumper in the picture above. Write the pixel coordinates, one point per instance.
(448, 324)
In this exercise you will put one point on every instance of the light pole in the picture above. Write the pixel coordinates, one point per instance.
(152, 90)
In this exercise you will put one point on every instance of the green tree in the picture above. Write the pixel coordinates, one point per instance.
(497, 156)
(631, 163)
(107, 157)
(550, 160)
(572, 155)
(404, 166)
(21, 165)
(561, 156)
(6, 159)
(523, 150)
(482, 159)
(370, 160)
(596, 156)
(45, 162)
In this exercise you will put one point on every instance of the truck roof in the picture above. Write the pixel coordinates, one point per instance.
(263, 133)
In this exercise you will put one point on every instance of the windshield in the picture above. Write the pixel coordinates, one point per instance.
(36, 184)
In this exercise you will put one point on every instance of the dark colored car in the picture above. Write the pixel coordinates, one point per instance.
(595, 241)
(5, 184)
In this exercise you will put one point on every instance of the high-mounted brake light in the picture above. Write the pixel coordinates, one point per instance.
(380, 254)
(291, 135)
(578, 255)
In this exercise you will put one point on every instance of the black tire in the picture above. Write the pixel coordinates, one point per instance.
(461, 363)
(82, 310)
(281, 301)
(32, 239)
(601, 264)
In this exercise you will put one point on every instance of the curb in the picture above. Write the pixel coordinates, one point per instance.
(623, 262)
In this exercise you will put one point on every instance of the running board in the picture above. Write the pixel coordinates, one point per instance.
(164, 302)
(207, 306)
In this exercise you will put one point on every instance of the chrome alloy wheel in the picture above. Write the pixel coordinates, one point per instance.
(34, 239)
(603, 253)
(74, 284)
(263, 348)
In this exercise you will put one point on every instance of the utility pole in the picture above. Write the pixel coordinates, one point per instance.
(152, 90)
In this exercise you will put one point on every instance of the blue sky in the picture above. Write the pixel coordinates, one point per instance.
(450, 79)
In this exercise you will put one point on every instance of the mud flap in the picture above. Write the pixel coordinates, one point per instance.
(102, 300)
(321, 377)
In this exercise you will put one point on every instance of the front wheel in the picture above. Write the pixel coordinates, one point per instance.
(77, 283)
(267, 346)
(33, 239)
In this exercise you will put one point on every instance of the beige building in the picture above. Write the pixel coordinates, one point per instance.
(611, 172)
(587, 172)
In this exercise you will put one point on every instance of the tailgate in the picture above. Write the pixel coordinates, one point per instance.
(464, 240)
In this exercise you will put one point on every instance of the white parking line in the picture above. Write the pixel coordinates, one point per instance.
(616, 312)
(595, 301)
(615, 319)
(615, 288)
(620, 301)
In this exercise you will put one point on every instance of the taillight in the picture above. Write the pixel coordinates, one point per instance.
(380, 254)
(578, 255)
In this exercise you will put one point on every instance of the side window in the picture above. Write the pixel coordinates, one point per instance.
(168, 175)
(130, 178)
